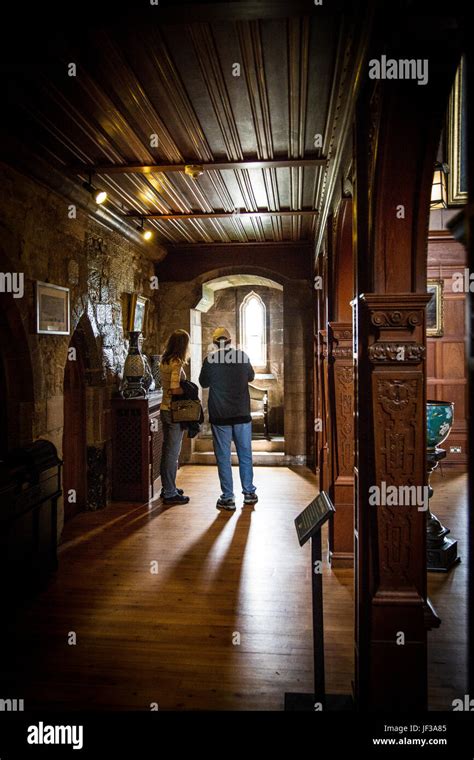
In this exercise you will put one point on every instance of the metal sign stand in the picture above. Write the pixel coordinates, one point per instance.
(308, 526)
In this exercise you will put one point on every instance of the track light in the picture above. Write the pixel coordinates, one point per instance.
(100, 196)
(193, 170)
(146, 234)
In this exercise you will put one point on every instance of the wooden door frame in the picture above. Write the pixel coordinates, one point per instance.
(75, 369)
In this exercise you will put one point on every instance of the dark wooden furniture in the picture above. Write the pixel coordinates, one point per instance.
(30, 486)
(137, 440)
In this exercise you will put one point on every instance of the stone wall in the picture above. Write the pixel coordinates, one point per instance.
(101, 268)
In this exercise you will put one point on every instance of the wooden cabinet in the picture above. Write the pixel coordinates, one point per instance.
(30, 486)
(137, 441)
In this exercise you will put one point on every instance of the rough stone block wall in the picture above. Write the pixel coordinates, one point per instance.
(102, 268)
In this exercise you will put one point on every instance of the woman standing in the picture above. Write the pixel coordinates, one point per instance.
(175, 356)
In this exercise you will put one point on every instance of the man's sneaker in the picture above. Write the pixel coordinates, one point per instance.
(250, 498)
(179, 490)
(228, 504)
(178, 499)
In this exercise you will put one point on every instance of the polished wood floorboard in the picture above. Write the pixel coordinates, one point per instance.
(447, 645)
(172, 638)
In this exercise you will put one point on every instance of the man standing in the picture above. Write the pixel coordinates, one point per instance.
(227, 372)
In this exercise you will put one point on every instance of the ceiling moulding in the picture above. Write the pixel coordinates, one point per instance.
(221, 214)
(277, 163)
(38, 169)
(171, 11)
(350, 62)
(196, 247)
(231, 281)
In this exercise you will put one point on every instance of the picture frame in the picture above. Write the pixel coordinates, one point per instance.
(434, 309)
(138, 313)
(53, 315)
(457, 139)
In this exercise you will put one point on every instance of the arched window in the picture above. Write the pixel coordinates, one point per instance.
(253, 329)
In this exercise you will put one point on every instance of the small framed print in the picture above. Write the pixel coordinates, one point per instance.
(457, 139)
(434, 309)
(52, 309)
(138, 313)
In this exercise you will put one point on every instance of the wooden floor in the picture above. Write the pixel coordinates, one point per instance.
(447, 645)
(226, 621)
(171, 638)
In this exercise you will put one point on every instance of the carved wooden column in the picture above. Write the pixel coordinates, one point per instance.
(397, 132)
(341, 442)
(393, 448)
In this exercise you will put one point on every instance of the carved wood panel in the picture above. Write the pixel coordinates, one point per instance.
(341, 436)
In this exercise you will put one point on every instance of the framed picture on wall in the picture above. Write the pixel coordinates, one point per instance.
(457, 139)
(138, 313)
(434, 309)
(52, 309)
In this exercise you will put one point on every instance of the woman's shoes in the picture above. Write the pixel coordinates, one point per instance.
(179, 498)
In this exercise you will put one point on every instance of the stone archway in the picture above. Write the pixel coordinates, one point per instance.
(221, 303)
(295, 440)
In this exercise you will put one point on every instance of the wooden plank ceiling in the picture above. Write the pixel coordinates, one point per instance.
(177, 81)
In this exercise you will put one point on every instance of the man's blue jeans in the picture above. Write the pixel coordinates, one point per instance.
(222, 436)
(172, 439)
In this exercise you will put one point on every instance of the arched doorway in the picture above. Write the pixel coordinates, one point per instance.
(287, 308)
(225, 301)
(74, 434)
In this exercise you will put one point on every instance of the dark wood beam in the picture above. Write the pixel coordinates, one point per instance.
(221, 215)
(212, 166)
(186, 262)
(221, 247)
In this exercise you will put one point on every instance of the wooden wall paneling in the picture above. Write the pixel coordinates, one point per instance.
(324, 478)
(468, 224)
(446, 354)
(341, 387)
(341, 488)
(322, 355)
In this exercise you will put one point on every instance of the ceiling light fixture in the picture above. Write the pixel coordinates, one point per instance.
(100, 196)
(193, 170)
(146, 234)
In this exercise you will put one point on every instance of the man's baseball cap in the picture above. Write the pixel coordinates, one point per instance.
(221, 333)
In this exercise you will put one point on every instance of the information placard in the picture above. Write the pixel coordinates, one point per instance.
(313, 517)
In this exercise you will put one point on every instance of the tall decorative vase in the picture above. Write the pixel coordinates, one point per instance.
(441, 551)
(134, 369)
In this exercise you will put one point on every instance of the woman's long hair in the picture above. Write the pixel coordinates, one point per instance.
(177, 347)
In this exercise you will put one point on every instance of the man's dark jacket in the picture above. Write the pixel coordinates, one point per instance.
(227, 373)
